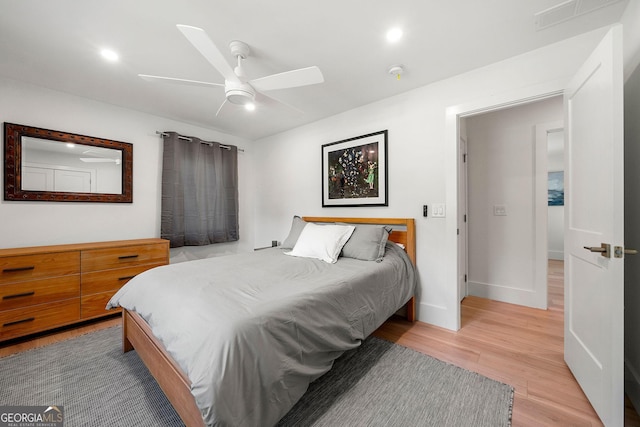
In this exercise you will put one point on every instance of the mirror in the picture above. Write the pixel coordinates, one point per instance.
(47, 165)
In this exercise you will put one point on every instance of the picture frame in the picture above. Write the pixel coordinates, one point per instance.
(354, 171)
(555, 185)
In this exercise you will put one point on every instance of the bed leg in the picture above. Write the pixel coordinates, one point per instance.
(126, 344)
(411, 310)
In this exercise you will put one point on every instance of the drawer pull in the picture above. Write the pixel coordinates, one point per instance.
(128, 256)
(17, 322)
(10, 270)
(126, 277)
(24, 294)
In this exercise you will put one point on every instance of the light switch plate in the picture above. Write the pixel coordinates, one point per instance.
(438, 210)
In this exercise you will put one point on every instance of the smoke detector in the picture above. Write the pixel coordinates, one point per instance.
(396, 70)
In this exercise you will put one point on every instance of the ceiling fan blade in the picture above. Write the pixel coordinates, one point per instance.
(97, 160)
(221, 106)
(201, 41)
(293, 78)
(269, 99)
(187, 82)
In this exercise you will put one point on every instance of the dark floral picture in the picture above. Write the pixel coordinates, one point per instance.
(354, 171)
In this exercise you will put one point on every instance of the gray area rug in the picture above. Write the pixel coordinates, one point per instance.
(378, 384)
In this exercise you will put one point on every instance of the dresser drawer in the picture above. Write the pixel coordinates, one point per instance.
(111, 280)
(30, 267)
(104, 259)
(23, 294)
(94, 305)
(23, 321)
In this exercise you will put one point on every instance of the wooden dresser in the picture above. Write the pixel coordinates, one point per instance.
(45, 287)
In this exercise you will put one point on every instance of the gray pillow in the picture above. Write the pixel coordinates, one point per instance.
(367, 242)
(296, 228)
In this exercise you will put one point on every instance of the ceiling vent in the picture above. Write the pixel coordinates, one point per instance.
(568, 10)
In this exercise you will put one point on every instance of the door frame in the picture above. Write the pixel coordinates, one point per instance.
(463, 236)
(453, 115)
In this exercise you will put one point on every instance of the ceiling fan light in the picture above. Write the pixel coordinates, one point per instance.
(239, 96)
(250, 106)
(239, 93)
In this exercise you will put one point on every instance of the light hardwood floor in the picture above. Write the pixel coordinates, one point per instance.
(513, 344)
(516, 345)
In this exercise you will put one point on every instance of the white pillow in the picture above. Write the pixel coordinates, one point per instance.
(322, 241)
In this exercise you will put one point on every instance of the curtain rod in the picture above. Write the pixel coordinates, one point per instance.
(185, 138)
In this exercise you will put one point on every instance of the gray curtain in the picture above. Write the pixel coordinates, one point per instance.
(199, 192)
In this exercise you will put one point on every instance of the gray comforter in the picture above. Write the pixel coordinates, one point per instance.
(251, 331)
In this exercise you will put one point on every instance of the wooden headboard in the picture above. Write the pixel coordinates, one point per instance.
(406, 235)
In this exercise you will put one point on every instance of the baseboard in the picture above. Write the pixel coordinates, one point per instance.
(506, 294)
(632, 385)
(436, 315)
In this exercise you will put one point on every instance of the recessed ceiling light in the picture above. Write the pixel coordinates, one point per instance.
(109, 55)
(394, 34)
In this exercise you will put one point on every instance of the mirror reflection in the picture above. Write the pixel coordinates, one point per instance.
(44, 165)
(49, 165)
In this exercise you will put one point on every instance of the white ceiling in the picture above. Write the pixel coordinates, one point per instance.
(56, 43)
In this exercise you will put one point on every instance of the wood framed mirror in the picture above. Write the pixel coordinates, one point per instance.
(48, 165)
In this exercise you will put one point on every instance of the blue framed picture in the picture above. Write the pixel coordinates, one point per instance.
(556, 188)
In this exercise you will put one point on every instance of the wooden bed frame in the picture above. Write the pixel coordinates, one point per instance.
(174, 383)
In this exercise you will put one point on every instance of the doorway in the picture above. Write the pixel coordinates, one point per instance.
(505, 224)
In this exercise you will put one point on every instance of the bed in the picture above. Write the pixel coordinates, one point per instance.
(261, 353)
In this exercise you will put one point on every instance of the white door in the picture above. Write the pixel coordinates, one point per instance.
(594, 297)
(37, 179)
(75, 181)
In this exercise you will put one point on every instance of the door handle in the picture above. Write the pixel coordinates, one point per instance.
(619, 251)
(604, 249)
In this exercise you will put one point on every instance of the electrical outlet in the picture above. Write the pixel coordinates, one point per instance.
(499, 210)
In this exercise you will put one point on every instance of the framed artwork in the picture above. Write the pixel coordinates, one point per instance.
(354, 171)
(556, 188)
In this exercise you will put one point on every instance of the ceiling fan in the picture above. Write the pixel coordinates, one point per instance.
(99, 160)
(100, 155)
(238, 88)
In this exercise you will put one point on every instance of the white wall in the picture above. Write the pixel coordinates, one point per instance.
(631, 36)
(502, 172)
(421, 164)
(46, 223)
